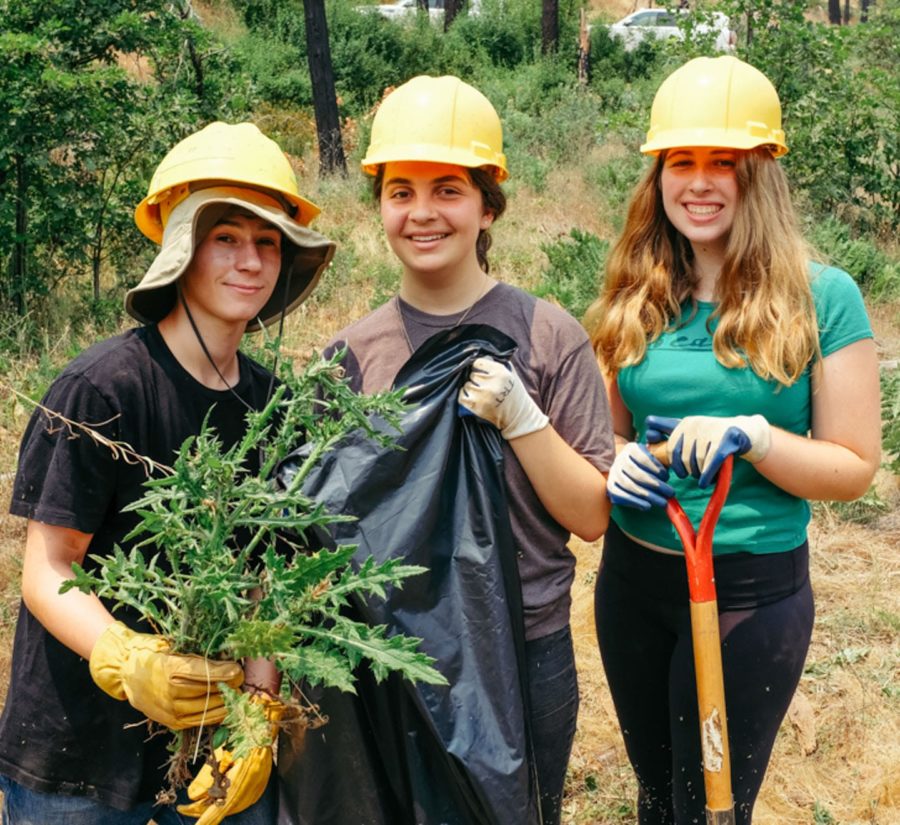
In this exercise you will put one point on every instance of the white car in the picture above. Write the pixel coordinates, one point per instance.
(661, 24)
(404, 9)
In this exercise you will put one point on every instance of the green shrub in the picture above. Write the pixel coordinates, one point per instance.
(385, 276)
(572, 277)
(280, 74)
(615, 179)
(873, 269)
(863, 510)
(839, 92)
(890, 415)
(547, 118)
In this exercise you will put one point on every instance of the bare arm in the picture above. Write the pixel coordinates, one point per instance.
(571, 488)
(840, 459)
(76, 619)
(621, 417)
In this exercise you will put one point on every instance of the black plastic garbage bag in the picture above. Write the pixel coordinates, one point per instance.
(398, 753)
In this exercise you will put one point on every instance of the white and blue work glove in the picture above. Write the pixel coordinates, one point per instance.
(699, 444)
(496, 394)
(637, 479)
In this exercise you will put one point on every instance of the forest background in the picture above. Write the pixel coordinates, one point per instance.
(93, 94)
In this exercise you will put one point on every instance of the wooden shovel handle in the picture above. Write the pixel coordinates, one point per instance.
(711, 705)
(659, 452)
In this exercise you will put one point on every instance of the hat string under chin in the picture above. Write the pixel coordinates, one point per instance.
(284, 306)
(203, 346)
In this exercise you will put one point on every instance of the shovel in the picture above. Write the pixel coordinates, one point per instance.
(698, 557)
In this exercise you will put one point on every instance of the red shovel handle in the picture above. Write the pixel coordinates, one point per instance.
(698, 554)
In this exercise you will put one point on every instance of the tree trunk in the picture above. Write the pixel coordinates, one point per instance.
(422, 5)
(864, 11)
(846, 12)
(584, 51)
(19, 273)
(197, 63)
(187, 13)
(834, 12)
(549, 26)
(321, 73)
(452, 9)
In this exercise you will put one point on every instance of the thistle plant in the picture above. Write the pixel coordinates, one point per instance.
(220, 564)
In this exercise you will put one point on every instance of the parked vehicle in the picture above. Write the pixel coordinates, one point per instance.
(661, 24)
(406, 9)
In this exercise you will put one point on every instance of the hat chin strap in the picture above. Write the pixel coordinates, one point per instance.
(284, 305)
(284, 302)
(203, 346)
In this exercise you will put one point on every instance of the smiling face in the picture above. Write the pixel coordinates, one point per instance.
(234, 269)
(700, 195)
(432, 214)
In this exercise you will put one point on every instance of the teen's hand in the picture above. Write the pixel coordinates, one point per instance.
(495, 393)
(178, 691)
(246, 777)
(637, 479)
(698, 444)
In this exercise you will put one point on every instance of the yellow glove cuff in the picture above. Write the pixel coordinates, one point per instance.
(112, 650)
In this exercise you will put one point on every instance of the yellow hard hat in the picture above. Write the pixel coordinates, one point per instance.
(437, 119)
(716, 101)
(220, 154)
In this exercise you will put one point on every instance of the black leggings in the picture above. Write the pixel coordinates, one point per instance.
(643, 625)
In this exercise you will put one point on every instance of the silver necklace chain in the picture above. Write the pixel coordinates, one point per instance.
(397, 304)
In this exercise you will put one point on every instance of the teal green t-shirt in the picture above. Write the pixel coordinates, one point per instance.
(679, 376)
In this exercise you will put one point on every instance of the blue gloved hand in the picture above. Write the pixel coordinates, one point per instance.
(699, 444)
(637, 479)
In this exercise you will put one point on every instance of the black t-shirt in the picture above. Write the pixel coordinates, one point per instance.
(59, 733)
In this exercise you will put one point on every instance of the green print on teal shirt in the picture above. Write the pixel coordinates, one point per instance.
(680, 376)
(702, 343)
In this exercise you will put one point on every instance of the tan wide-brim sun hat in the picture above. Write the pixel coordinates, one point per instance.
(304, 256)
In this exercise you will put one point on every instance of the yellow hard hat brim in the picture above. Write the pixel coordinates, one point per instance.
(722, 138)
(148, 216)
(430, 154)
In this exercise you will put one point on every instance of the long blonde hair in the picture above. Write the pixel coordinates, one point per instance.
(766, 316)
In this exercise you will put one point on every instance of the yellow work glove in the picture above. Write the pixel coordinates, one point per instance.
(246, 778)
(176, 690)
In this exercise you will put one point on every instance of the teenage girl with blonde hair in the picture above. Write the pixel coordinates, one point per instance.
(716, 332)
